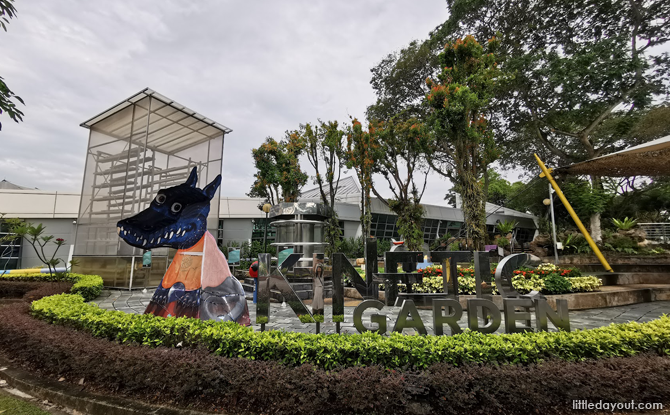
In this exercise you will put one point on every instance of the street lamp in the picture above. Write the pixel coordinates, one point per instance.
(266, 209)
(550, 202)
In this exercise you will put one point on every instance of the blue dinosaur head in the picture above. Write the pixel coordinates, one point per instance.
(176, 218)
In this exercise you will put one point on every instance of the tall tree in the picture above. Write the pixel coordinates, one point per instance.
(399, 81)
(7, 11)
(402, 163)
(586, 73)
(461, 144)
(325, 150)
(266, 184)
(278, 173)
(361, 154)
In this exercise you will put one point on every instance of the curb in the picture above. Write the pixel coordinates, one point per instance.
(68, 396)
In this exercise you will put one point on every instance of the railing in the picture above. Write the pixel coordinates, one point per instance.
(657, 231)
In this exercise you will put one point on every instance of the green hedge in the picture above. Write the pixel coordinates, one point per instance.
(88, 286)
(331, 351)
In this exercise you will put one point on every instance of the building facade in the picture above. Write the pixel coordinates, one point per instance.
(240, 220)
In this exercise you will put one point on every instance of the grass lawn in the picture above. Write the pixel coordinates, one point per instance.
(10, 405)
(362, 272)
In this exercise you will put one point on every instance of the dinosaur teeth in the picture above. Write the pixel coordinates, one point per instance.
(144, 243)
(159, 241)
(166, 235)
(152, 241)
(178, 231)
(118, 230)
(171, 235)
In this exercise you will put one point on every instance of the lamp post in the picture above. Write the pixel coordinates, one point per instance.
(550, 202)
(266, 209)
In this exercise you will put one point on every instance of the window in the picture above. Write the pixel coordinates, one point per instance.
(524, 235)
(384, 226)
(258, 229)
(430, 227)
(10, 250)
(219, 233)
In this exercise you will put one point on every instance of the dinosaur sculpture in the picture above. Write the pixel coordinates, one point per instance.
(198, 282)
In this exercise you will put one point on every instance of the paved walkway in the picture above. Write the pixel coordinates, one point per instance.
(283, 318)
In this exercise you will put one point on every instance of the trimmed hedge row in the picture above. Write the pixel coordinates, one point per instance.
(87, 286)
(332, 351)
(197, 379)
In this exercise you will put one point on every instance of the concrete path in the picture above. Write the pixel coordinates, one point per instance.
(283, 318)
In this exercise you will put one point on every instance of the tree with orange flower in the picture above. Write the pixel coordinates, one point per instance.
(461, 144)
(324, 143)
(402, 163)
(278, 174)
(361, 154)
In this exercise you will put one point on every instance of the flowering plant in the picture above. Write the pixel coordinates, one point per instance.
(547, 278)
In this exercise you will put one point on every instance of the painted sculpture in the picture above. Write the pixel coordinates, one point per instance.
(198, 282)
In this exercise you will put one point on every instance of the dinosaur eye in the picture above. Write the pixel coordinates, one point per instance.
(160, 199)
(176, 207)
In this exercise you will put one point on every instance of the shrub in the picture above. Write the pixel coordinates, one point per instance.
(556, 284)
(506, 227)
(621, 243)
(575, 243)
(625, 224)
(524, 281)
(585, 284)
(197, 379)
(88, 286)
(331, 351)
(547, 266)
(527, 283)
(351, 247)
(383, 246)
(502, 242)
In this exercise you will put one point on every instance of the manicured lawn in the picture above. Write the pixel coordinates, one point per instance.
(10, 405)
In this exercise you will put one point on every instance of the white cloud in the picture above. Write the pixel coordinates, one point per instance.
(260, 68)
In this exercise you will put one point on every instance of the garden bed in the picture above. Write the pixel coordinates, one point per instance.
(332, 351)
(196, 378)
(88, 287)
(614, 258)
(225, 367)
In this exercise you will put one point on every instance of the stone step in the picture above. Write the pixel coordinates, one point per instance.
(626, 278)
(303, 291)
(301, 286)
(626, 268)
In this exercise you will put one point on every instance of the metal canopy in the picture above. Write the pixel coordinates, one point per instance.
(649, 159)
(171, 126)
(346, 186)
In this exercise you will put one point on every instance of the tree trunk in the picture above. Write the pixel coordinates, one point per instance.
(474, 213)
(486, 183)
(596, 230)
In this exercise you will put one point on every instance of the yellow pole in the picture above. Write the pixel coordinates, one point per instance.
(547, 173)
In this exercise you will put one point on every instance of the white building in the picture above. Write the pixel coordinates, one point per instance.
(240, 219)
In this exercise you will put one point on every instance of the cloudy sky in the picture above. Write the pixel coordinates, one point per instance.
(258, 67)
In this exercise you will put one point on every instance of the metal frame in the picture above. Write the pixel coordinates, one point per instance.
(136, 148)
